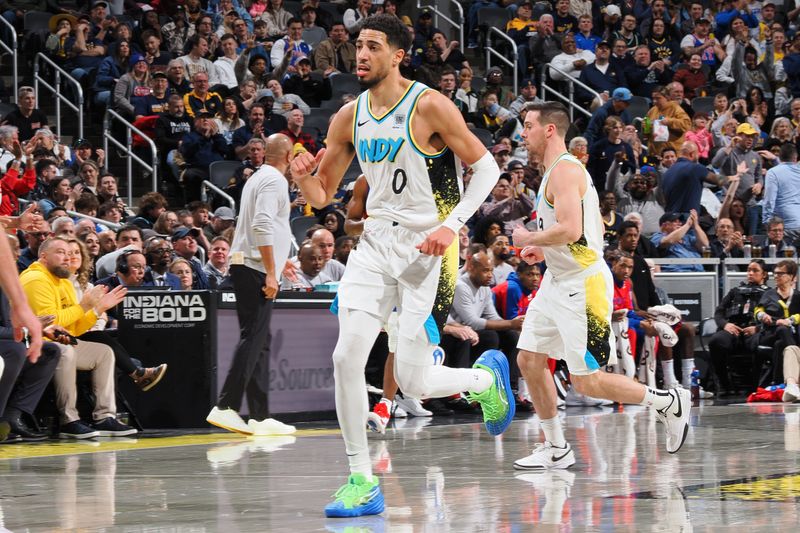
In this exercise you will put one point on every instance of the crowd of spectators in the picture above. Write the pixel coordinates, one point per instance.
(691, 145)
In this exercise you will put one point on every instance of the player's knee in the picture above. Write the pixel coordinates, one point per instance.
(350, 356)
(411, 380)
(531, 360)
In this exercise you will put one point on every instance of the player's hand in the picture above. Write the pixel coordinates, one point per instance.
(783, 322)
(618, 315)
(766, 319)
(732, 328)
(532, 255)
(437, 242)
(517, 321)
(749, 331)
(306, 163)
(520, 235)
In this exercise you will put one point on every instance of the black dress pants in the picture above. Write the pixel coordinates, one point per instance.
(23, 382)
(249, 372)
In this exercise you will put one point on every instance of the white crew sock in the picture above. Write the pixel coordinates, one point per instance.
(553, 432)
(668, 367)
(656, 399)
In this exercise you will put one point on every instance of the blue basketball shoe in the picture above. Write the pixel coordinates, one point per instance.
(497, 402)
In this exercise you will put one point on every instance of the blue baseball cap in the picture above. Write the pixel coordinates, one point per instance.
(622, 94)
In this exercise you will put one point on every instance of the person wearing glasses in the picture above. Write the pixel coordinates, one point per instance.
(158, 252)
(778, 311)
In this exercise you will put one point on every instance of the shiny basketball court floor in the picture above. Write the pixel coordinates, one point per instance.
(739, 471)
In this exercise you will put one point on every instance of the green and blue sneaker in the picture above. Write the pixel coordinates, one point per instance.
(497, 401)
(358, 497)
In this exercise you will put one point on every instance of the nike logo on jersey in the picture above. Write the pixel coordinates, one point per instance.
(376, 150)
(572, 294)
(362, 123)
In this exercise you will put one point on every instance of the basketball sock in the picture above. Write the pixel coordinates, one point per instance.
(553, 432)
(687, 366)
(656, 399)
(357, 333)
(668, 368)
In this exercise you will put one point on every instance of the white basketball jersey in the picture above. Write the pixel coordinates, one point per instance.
(407, 186)
(575, 257)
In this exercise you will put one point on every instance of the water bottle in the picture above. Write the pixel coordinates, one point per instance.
(748, 250)
(695, 384)
(773, 250)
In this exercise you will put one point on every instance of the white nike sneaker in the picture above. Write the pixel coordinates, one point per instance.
(546, 456)
(676, 418)
(228, 419)
(703, 394)
(666, 334)
(791, 393)
(269, 426)
(412, 406)
(667, 314)
(398, 412)
(561, 403)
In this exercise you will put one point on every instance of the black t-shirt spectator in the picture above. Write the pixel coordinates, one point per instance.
(27, 125)
(565, 24)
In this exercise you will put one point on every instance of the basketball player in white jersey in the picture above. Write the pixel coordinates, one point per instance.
(570, 317)
(410, 142)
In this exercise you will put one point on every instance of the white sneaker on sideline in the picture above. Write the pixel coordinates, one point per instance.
(228, 419)
(791, 393)
(412, 406)
(704, 394)
(560, 403)
(676, 418)
(546, 456)
(269, 426)
(397, 411)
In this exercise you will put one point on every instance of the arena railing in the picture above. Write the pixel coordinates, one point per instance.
(13, 51)
(152, 167)
(492, 52)
(59, 76)
(207, 185)
(74, 214)
(569, 100)
(457, 24)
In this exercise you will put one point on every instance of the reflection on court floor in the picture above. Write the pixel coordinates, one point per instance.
(740, 467)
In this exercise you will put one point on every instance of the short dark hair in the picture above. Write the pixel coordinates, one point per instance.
(294, 20)
(87, 202)
(628, 224)
(788, 153)
(524, 267)
(127, 228)
(397, 34)
(43, 164)
(667, 149)
(198, 204)
(789, 265)
(341, 240)
(105, 208)
(150, 201)
(551, 113)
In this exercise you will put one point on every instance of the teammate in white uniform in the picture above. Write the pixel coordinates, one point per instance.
(409, 141)
(570, 316)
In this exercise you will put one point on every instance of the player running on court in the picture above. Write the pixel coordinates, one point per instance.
(410, 142)
(570, 317)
